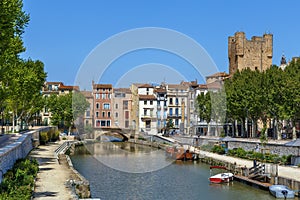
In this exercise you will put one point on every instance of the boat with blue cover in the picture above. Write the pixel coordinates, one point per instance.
(282, 191)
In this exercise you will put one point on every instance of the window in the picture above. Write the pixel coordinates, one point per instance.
(148, 124)
(151, 102)
(103, 114)
(117, 106)
(176, 111)
(109, 96)
(98, 123)
(145, 112)
(108, 114)
(106, 106)
(170, 111)
(87, 114)
(87, 122)
(97, 105)
(97, 96)
(97, 114)
(176, 122)
(171, 101)
(145, 102)
(103, 96)
(103, 90)
(125, 105)
(158, 114)
(126, 114)
(176, 101)
(103, 122)
(116, 115)
(126, 124)
(107, 123)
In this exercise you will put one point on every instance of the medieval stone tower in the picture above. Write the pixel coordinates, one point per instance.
(255, 54)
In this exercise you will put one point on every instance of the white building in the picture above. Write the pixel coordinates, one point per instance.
(147, 109)
(177, 95)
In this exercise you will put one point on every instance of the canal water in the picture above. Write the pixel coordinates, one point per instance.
(121, 171)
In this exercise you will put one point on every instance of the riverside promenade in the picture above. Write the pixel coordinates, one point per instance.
(52, 176)
(283, 171)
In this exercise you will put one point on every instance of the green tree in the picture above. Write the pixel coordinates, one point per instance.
(12, 23)
(170, 124)
(26, 81)
(20, 80)
(65, 109)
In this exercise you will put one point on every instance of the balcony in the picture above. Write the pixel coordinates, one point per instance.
(149, 117)
(161, 98)
(174, 115)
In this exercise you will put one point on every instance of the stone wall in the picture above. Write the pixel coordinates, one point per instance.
(17, 150)
(272, 148)
(256, 53)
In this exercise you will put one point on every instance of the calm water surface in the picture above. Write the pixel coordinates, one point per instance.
(108, 170)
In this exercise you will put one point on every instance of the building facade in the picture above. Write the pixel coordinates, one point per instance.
(255, 54)
(177, 95)
(102, 94)
(122, 102)
(147, 109)
(162, 108)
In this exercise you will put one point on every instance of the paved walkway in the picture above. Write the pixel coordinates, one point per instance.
(283, 171)
(52, 176)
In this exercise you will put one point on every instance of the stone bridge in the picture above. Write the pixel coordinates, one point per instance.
(124, 135)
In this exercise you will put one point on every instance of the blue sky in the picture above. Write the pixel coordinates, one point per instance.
(63, 33)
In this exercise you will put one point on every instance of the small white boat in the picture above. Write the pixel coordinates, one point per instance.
(221, 177)
(282, 191)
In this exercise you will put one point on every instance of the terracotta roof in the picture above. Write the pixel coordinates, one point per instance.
(215, 85)
(147, 97)
(160, 90)
(218, 74)
(145, 86)
(123, 90)
(178, 86)
(67, 87)
(202, 86)
(102, 86)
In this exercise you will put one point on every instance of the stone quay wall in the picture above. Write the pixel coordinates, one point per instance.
(271, 147)
(278, 149)
(18, 149)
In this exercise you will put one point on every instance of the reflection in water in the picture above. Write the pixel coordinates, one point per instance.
(129, 157)
(177, 180)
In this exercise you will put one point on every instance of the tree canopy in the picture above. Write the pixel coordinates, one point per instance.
(65, 109)
(21, 80)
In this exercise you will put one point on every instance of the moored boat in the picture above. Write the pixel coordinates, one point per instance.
(282, 191)
(221, 177)
(179, 153)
